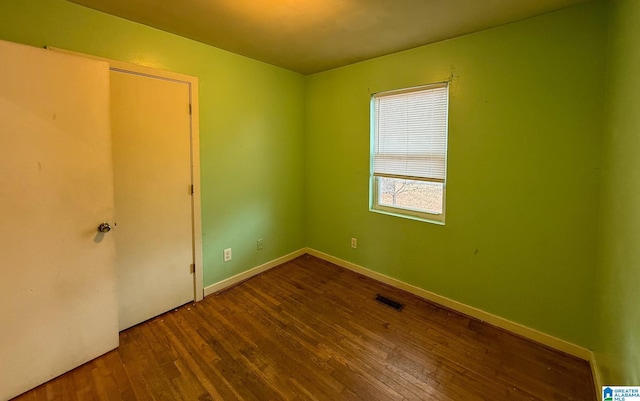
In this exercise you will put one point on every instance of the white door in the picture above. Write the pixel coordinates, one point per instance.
(151, 129)
(58, 281)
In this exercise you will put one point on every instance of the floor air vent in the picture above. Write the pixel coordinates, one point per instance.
(389, 302)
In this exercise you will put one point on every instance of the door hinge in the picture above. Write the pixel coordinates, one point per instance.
(191, 189)
(192, 268)
(190, 109)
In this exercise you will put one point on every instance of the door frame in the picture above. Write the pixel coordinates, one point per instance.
(196, 211)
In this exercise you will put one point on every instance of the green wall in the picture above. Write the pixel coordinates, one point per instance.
(618, 351)
(525, 127)
(251, 125)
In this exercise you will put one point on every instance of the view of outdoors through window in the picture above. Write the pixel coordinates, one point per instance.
(416, 195)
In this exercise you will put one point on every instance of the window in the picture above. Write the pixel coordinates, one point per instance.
(409, 152)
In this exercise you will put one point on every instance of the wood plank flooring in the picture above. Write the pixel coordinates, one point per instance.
(310, 330)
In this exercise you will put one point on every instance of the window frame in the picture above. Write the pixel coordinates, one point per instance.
(374, 195)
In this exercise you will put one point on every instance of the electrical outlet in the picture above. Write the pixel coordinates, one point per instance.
(260, 244)
(227, 254)
(354, 243)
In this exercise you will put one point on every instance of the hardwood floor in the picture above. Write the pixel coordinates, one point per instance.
(310, 330)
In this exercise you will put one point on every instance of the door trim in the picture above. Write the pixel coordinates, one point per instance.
(192, 82)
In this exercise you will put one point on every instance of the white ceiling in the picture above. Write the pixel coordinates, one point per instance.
(309, 36)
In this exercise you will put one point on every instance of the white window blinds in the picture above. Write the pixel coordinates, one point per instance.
(410, 133)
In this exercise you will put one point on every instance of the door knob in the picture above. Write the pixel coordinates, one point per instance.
(104, 227)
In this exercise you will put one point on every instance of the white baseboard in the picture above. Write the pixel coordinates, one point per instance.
(221, 285)
(524, 331)
(597, 379)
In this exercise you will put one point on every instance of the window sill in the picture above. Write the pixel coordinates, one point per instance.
(408, 216)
